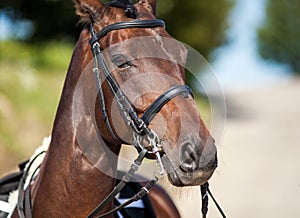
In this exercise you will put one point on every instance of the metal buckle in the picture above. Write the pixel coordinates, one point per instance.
(153, 146)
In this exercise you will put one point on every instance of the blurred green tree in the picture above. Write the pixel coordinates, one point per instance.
(201, 24)
(279, 35)
(52, 19)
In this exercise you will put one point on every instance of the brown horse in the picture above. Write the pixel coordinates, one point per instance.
(80, 167)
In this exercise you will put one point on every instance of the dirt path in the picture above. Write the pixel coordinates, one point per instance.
(259, 175)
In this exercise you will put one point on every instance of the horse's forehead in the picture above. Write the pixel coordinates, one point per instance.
(114, 15)
(150, 43)
(146, 40)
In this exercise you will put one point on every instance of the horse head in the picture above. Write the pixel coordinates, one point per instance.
(146, 64)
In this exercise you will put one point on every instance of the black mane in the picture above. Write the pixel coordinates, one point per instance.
(127, 5)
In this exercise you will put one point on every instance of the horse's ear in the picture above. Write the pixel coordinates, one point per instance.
(88, 10)
(152, 3)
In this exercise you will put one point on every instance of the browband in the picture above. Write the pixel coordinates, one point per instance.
(125, 25)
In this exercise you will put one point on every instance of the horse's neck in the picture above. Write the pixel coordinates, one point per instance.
(70, 182)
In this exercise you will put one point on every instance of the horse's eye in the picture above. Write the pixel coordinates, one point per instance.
(121, 61)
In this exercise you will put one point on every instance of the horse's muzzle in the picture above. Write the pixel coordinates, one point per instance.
(196, 165)
(191, 158)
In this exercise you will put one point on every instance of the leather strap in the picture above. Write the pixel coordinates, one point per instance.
(125, 179)
(127, 24)
(205, 191)
(157, 105)
(144, 191)
(27, 202)
(21, 189)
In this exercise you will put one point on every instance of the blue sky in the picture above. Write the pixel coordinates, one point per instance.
(4, 27)
(238, 64)
(8, 28)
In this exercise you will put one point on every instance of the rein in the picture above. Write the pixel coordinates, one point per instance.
(205, 191)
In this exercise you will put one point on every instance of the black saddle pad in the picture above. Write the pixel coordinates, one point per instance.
(134, 212)
(11, 182)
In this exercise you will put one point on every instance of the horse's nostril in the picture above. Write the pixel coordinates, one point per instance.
(188, 157)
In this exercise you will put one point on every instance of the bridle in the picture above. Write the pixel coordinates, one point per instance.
(128, 113)
(141, 132)
(138, 124)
